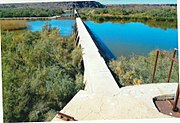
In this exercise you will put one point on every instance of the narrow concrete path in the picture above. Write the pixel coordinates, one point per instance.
(98, 78)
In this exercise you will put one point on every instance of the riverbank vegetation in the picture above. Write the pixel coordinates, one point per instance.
(41, 72)
(150, 15)
(136, 69)
(29, 12)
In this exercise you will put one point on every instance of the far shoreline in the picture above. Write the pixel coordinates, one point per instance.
(37, 18)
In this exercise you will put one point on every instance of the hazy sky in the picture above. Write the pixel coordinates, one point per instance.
(138, 1)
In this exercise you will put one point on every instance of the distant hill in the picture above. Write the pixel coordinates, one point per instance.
(62, 5)
(143, 5)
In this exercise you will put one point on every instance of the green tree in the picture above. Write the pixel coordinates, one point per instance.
(41, 73)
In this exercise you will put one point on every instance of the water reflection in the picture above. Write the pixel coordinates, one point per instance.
(65, 26)
(133, 37)
(152, 23)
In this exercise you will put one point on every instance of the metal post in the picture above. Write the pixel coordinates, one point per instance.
(177, 92)
(175, 108)
(157, 54)
(75, 27)
(172, 62)
(77, 41)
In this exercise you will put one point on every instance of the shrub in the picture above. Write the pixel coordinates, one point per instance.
(138, 69)
(41, 73)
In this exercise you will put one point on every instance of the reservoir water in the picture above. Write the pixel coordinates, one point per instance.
(134, 37)
(65, 26)
(120, 39)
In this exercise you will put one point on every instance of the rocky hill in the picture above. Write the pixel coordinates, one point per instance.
(62, 5)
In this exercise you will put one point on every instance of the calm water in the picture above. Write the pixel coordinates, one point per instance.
(120, 39)
(65, 26)
(133, 37)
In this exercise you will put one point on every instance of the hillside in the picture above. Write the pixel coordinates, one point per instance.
(143, 6)
(62, 5)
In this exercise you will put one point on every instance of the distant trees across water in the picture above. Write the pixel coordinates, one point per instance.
(29, 12)
(167, 16)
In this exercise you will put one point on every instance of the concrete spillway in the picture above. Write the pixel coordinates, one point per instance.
(98, 78)
(102, 99)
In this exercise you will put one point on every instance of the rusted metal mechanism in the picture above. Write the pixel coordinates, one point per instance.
(168, 105)
(165, 105)
(65, 117)
(172, 62)
(175, 108)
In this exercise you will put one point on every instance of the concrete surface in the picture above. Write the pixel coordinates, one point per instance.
(132, 102)
(102, 99)
(97, 77)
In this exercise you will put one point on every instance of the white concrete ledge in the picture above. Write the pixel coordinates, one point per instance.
(98, 76)
(132, 102)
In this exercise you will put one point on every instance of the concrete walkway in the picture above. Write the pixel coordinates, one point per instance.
(97, 76)
(132, 102)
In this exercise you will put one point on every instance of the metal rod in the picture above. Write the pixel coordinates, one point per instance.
(75, 27)
(175, 108)
(176, 60)
(77, 41)
(76, 36)
(157, 54)
(172, 62)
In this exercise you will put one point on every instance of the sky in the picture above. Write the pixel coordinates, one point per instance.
(103, 1)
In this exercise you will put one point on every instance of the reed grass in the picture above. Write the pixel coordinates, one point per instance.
(13, 25)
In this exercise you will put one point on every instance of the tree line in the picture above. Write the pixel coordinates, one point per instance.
(29, 12)
(136, 14)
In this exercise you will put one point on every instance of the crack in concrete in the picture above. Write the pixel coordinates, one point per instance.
(95, 106)
(87, 115)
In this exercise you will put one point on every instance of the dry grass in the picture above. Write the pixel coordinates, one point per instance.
(13, 24)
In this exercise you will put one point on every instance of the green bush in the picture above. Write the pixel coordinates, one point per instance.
(138, 69)
(41, 73)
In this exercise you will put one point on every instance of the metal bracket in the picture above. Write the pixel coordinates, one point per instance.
(65, 117)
